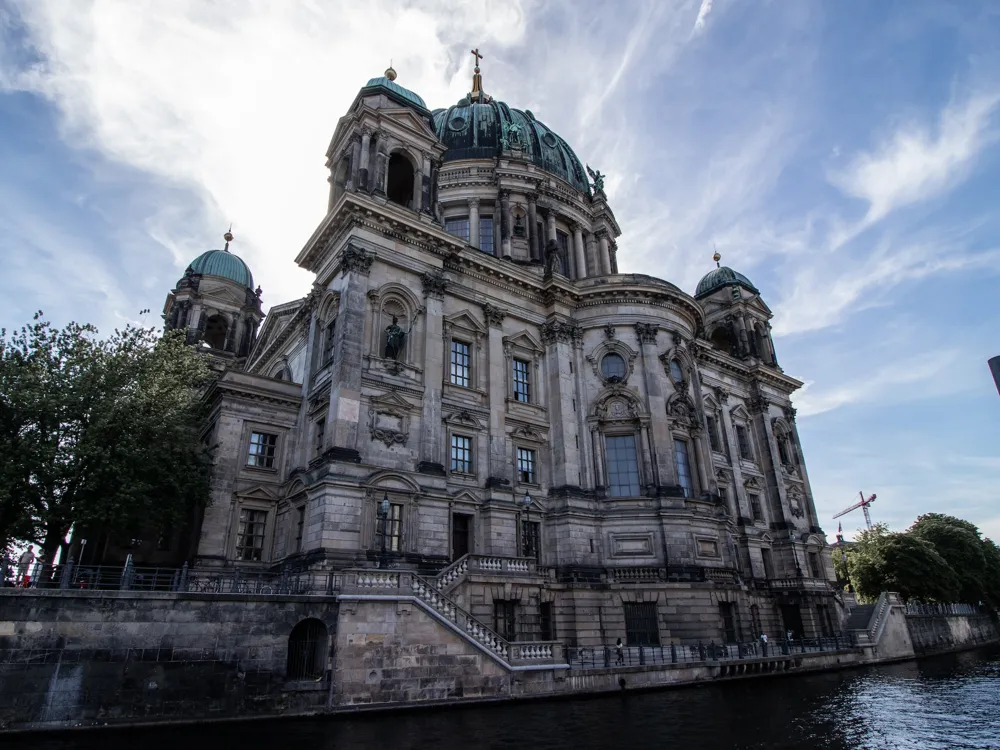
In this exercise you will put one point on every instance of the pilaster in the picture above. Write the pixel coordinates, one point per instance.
(560, 339)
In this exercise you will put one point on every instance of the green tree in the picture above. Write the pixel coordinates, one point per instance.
(959, 543)
(101, 433)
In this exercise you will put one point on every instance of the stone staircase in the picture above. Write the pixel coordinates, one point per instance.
(859, 617)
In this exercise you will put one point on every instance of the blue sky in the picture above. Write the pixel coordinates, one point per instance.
(844, 155)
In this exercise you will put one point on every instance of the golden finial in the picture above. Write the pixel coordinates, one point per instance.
(477, 79)
(716, 257)
(390, 73)
(228, 237)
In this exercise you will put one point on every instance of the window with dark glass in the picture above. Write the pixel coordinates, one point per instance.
(329, 337)
(486, 234)
(676, 373)
(755, 506)
(623, 465)
(461, 454)
(546, 622)
(743, 438)
(389, 528)
(613, 366)
(713, 434)
(522, 384)
(641, 628)
(683, 467)
(505, 618)
(724, 495)
(460, 369)
(250, 535)
(814, 566)
(458, 226)
(530, 533)
(727, 611)
(562, 240)
(765, 558)
(526, 465)
(262, 449)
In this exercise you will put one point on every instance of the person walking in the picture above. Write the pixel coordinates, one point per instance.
(24, 563)
(763, 642)
(620, 649)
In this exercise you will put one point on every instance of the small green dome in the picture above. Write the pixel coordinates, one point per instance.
(395, 88)
(223, 263)
(721, 277)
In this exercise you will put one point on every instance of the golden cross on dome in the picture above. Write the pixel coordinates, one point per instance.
(477, 80)
(478, 56)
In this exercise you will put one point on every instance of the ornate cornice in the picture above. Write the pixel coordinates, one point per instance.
(435, 284)
(561, 331)
(646, 332)
(494, 315)
(355, 258)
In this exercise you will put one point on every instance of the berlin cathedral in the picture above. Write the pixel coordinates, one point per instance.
(472, 389)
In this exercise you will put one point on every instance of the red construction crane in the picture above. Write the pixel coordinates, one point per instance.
(863, 505)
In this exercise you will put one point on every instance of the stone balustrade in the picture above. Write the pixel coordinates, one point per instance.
(537, 652)
(448, 578)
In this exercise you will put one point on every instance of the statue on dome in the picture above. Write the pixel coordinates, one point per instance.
(510, 137)
(598, 179)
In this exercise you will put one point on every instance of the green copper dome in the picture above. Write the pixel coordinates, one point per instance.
(223, 263)
(722, 277)
(394, 88)
(478, 130)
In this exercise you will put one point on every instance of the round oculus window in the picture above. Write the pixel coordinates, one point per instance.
(613, 366)
(550, 140)
(457, 123)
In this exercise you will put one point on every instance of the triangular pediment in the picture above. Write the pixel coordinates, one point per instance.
(391, 400)
(464, 417)
(258, 492)
(409, 120)
(465, 320)
(757, 304)
(524, 340)
(466, 497)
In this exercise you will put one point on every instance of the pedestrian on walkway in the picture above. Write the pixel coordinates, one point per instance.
(24, 565)
(620, 648)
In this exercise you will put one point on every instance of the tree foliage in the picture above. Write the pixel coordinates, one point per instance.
(938, 559)
(98, 433)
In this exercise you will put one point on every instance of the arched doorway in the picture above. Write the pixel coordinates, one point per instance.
(216, 329)
(307, 650)
(399, 185)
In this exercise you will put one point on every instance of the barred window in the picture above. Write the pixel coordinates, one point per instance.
(755, 506)
(461, 454)
(262, 449)
(623, 465)
(522, 385)
(458, 226)
(641, 628)
(460, 363)
(250, 536)
(505, 618)
(530, 537)
(713, 434)
(486, 234)
(743, 438)
(683, 467)
(526, 465)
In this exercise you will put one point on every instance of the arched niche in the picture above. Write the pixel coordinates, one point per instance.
(400, 178)
(216, 331)
(308, 646)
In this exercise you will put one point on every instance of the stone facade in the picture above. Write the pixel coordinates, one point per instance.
(470, 359)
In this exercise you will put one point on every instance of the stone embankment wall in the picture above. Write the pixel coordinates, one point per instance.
(939, 633)
(82, 658)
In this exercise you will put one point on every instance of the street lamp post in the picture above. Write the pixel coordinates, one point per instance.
(383, 513)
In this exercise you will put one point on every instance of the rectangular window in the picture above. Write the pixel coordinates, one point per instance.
(623, 465)
(683, 467)
(329, 339)
(300, 527)
(522, 384)
(641, 628)
(562, 239)
(526, 465)
(724, 496)
(460, 363)
(505, 618)
(486, 234)
(389, 529)
(461, 454)
(546, 623)
(458, 226)
(250, 535)
(755, 506)
(727, 611)
(530, 531)
(262, 449)
(713, 434)
(743, 438)
(814, 566)
(320, 435)
(765, 557)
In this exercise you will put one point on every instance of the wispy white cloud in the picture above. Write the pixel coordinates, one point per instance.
(699, 22)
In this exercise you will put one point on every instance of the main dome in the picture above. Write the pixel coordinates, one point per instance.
(475, 130)
(224, 264)
(720, 277)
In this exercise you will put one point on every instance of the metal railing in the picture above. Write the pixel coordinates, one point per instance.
(610, 657)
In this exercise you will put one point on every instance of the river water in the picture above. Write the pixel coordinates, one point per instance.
(942, 702)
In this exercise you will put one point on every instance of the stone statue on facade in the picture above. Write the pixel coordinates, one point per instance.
(395, 337)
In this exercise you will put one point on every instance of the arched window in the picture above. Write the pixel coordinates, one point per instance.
(613, 366)
(399, 185)
(723, 340)
(676, 371)
(216, 329)
(307, 650)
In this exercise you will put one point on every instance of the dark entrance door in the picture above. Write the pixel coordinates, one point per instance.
(792, 616)
(461, 532)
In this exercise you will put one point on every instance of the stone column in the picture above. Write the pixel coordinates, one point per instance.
(426, 206)
(345, 395)
(474, 222)
(654, 380)
(550, 225)
(506, 225)
(499, 462)
(560, 338)
(699, 459)
(741, 332)
(592, 262)
(533, 237)
(418, 188)
(363, 173)
(604, 254)
(729, 435)
(355, 162)
(431, 426)
(778, 502)
(581, 254)
(381, 162)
